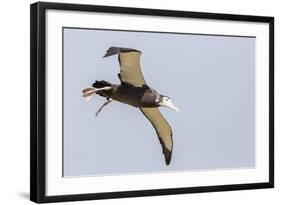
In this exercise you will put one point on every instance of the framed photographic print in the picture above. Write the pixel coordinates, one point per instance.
(129, 102)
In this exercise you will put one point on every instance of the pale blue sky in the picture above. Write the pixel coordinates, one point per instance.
(210, 78)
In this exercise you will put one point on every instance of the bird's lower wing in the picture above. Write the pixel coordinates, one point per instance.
(163, 130)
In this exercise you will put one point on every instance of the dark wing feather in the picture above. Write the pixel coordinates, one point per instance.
(129, 60)
(163, 130)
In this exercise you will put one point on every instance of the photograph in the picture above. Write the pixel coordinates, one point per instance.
(128, 79)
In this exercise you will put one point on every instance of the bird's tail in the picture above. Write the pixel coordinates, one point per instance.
(89, 92)
(101, 84)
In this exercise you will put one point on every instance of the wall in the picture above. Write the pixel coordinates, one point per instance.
(14, 109)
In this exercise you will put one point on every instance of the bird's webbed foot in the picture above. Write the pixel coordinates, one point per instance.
(105, 104)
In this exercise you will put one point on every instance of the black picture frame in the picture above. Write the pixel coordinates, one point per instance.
(38, 101)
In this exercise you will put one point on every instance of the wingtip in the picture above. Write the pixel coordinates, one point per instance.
(111, 51)
(116, 50)
(168, 155)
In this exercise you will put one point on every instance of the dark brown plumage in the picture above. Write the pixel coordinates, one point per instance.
(128, 94)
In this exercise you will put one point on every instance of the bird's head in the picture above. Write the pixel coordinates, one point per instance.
(167, 102)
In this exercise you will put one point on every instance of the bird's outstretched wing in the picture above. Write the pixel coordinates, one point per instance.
(129, 61)
(163, 130)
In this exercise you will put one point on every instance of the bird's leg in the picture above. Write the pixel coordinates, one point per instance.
(105, 104)
(90, 91)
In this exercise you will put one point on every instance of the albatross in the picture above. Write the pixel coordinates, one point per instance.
(134, 91)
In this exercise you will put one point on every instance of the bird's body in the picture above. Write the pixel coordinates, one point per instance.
(134, 91)
(135, 96)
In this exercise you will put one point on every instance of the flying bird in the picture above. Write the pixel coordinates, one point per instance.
(134, 91)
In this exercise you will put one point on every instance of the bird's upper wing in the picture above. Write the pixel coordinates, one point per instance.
(163, 130)
(129, 60)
